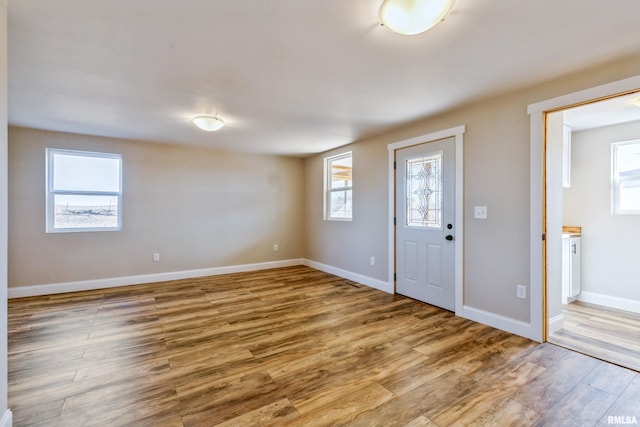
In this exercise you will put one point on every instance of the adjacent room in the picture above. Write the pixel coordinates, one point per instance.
(600, 207)
(287, 212)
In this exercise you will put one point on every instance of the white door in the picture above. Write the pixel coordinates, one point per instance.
(425, 222)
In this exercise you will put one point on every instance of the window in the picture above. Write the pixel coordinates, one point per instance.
(625, 179)
(338, 180)
(84, 191)
(424, 191)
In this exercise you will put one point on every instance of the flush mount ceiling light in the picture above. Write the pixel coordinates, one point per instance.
(411, 17)
(636, 102)
(208, 123)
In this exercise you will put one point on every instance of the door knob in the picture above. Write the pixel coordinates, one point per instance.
(449, 237)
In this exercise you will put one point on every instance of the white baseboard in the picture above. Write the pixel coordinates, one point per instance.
(500, 322)
(7, 419)
(86, 285)
(556, 323)
(365, 280)
(609, 301)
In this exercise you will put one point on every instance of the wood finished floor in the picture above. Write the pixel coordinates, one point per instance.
(602, 332)
(291, 346)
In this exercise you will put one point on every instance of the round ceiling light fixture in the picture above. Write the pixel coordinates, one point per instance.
(409, 17)
(208, 123)
(636, 102)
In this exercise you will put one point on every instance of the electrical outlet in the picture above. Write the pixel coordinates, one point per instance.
(276, 247)
(521, 291)
(156, 257)
(372, 261)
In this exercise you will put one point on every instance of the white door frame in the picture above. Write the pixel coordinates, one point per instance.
(537, 114)
(457, 133)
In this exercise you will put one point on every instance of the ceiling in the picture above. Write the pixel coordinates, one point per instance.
(290, 77)
(621, 109)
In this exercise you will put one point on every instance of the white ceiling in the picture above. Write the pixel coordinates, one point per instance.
(288, 76)
(621, 109)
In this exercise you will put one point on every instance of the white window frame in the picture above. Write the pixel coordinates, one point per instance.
(328, 190)
(618, 179)
(51, 192)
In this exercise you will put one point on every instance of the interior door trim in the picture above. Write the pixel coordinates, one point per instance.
(458, 134)
(537, 327)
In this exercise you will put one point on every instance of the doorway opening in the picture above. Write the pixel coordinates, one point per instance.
(593, 303)
(538, 254)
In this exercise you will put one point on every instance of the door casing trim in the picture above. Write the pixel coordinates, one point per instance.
(538, 158)
(458, 134)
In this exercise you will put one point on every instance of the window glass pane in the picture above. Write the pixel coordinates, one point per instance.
(628, 158)
(424, 191)
(85, 211)
(626, 177)
(341, 172)
(340, 204)
(85, 173)
(338, 180)
(630, 195)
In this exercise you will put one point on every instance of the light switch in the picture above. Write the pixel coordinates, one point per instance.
(480, 212)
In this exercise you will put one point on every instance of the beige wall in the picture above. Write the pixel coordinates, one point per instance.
(202, 209)
(609, 243)
(198, 208)
(3, 209)
(496, 175)
(350, 244)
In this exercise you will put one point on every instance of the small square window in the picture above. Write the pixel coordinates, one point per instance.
(625, 179)
(84, 191)
(338, 178)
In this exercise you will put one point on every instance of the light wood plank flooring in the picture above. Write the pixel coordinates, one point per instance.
(291, 346)
(602, 332)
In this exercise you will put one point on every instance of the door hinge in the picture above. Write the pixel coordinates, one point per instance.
(394, 165)
(394, 277)
(544, 237)
(394, 221)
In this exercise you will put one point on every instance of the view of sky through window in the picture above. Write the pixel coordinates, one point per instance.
(84, 191)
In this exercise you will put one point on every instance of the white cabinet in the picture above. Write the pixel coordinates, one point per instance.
(570, 267)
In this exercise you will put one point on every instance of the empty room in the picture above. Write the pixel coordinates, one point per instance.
(286, 212)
